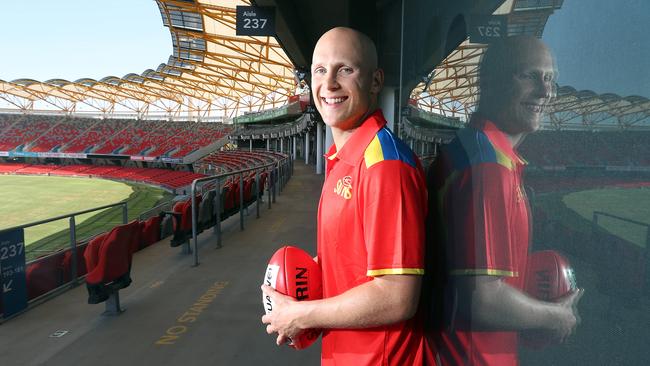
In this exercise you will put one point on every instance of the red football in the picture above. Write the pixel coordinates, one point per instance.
(549, 277)
(293, 272)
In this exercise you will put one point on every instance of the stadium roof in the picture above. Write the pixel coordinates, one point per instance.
(211, 73)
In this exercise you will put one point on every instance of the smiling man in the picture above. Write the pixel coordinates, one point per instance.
(370, 221)
(480, 216)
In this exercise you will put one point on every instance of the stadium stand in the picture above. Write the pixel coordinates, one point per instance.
(170, 179)
(587, 148)
(88, 135)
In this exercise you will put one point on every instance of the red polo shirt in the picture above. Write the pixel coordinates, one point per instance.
(371, 223)
(484, 221)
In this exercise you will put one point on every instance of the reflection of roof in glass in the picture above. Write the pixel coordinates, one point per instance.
(451, 89)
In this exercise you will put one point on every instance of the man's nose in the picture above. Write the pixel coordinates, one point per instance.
(546, 88)
(331, 82)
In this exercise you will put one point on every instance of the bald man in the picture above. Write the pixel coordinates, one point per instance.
(370, 221)
(480, 216)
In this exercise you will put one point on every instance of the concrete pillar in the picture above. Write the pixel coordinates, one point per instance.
(387, 102)
(306, 154)
(268, 144)
(281, 140)
(319, 148)
(250, 144)
(293, 141)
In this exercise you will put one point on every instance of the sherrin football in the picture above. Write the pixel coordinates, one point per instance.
(293, 272)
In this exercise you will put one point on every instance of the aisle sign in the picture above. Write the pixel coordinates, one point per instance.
(485, 29)
(255, 21)
(12, 272)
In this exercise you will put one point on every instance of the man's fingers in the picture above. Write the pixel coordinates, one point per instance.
(268, 290)
(281, 340)
(270, 329)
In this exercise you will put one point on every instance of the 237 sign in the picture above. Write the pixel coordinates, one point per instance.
(255, 21)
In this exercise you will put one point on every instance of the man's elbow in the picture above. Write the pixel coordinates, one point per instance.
(406, 308)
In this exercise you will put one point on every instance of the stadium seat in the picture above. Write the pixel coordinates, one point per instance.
(166, 226)
(150, 233)
(206, 212)
(81, 263)
(44, 275)
(108, 259)
(182, 219)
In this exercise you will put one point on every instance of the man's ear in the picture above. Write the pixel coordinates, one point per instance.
(377, 81)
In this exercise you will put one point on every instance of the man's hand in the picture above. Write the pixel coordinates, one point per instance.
(567, 316)
(283, 319)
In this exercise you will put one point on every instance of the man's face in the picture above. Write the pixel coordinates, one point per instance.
(527, 91)
(343, 84)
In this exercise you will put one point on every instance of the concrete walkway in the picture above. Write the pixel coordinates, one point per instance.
(177, 314)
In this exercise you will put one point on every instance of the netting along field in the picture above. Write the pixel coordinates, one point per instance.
(27, 199)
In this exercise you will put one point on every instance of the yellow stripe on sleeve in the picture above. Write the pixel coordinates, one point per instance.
(489, 272)
(394, 271)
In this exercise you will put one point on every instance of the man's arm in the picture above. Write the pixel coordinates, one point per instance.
(384, 300)
(493, 304)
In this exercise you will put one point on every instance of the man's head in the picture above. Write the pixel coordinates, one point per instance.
(345, 77)
(517, 81)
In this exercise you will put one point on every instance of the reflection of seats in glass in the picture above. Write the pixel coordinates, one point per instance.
(108, 259)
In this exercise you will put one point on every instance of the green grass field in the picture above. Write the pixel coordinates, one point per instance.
(576, 210)
(28, 199)
(629, 203)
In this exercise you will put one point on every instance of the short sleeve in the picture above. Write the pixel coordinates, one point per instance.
(478, 218)
(393, 205)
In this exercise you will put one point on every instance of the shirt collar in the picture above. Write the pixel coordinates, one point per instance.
(355, 147)
(498, 138)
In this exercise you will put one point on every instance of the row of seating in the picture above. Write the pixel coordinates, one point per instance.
(171, 179)
(49, 273)
(86, 135)
(586, 148)
(234, 160)
(206, 206)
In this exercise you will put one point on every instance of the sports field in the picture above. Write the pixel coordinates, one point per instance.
(629, 203)
(28, 199)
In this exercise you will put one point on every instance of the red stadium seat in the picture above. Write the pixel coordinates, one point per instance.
(44, 275)
(81, 263)
(150, 233)
(111, 271)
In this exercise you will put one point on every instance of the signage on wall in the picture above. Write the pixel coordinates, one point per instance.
(485, 29)
(255, 21)
(13, 283)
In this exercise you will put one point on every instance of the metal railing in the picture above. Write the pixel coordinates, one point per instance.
(279, 171)
(74, 271)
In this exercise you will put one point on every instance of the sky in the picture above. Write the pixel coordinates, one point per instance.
(72, 39)
(601, 45)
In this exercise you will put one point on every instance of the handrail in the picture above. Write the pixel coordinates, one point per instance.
(601, 213)
(64, 216)
(277, 165)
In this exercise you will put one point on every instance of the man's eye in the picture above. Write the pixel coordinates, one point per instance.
(346, 70)
(527, 76)
(319, 70)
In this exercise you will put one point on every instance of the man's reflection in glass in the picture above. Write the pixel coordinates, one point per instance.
(480, 216)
